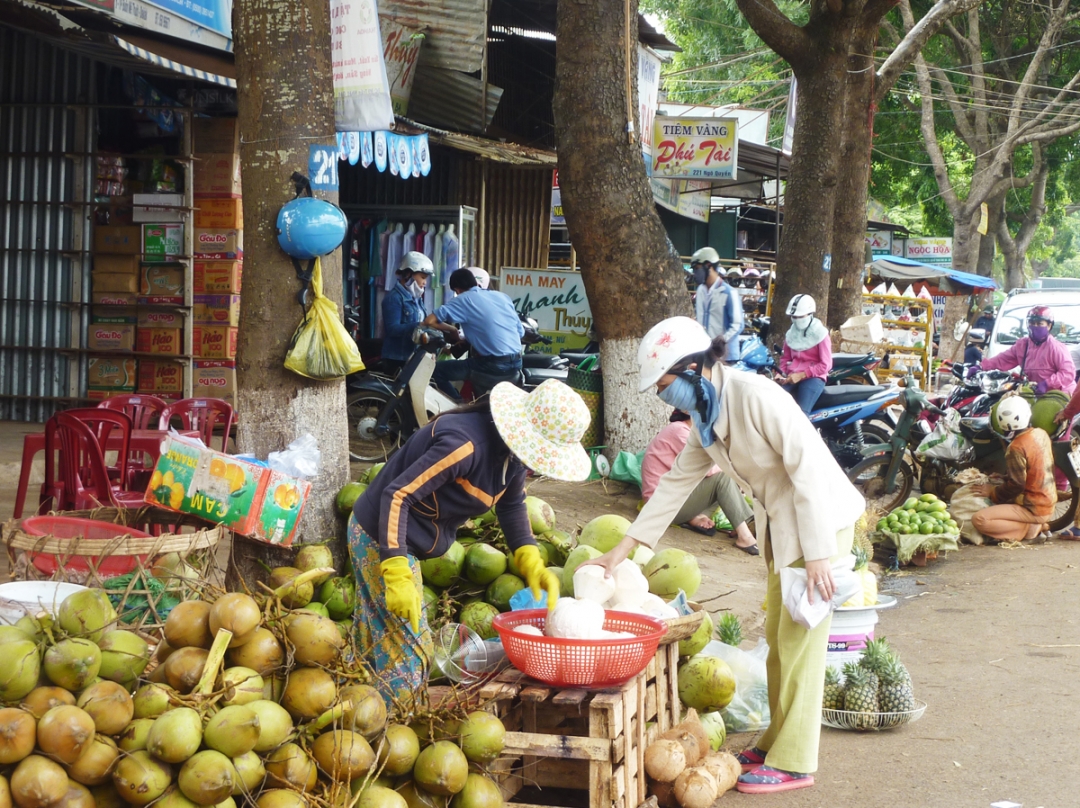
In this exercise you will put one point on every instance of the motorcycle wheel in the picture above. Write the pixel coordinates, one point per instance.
(363, 410)
(1065, 510)
(869, 478)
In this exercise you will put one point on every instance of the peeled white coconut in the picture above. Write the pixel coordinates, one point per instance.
(631, 585)
(633, 608)
(529, 629)
(591, 583)
(654, 606)
(574, 619)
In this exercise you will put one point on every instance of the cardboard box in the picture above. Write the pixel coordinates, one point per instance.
(110, 373)
(102, 282)
(166, 341)
(214, 342)
(151, 318)
(126, 239)
(160, 376)
(215, 135)
(162, 242)
(104, 297)
(215, 213)
(280, 509)
(217, 174)
(163, 281)
(216, 310)
(116, 264)
(113, 314)
(214, 379)
(111, 337)
(863, 328)
(117, 210)
(217, 277)
(222, 245)
(158, 208)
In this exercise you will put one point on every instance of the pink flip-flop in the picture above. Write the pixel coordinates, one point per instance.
(767, 780)
(751, 758)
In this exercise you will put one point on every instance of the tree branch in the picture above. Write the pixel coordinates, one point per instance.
(933, 148)
(788, 40)
(960, 112)
(916, 37)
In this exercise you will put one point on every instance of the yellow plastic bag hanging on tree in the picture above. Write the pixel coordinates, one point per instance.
(321, 347)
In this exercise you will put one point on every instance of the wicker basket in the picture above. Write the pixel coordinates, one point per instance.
(142, 600)
(871, 722)
(589, 384)
(681, 628)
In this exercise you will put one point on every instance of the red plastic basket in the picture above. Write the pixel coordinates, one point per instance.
(74, 527)
(580, 663)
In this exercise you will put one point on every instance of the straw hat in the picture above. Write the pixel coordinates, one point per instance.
(544, 428)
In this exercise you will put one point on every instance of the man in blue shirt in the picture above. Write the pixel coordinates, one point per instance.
(493, 330)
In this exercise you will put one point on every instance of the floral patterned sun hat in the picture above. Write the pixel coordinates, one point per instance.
(544, 428)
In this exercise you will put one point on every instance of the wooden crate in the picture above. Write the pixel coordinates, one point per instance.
(591, 741)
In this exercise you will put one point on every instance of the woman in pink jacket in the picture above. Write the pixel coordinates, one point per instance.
(807, 357)
(1041, 358)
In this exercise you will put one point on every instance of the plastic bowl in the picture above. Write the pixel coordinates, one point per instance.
(20, 598)
(580, 663)
(74, 527)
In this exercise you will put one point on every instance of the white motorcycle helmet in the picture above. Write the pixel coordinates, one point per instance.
(483, 279)
(800, 306)
(414, 261)
(665, 344)
(1010, 415)
(705, 255)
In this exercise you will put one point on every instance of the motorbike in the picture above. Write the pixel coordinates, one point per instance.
(843, 413)
(754, 357)
(538, 367)
(854, 368)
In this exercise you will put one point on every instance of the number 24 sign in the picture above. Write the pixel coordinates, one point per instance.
(323, 167)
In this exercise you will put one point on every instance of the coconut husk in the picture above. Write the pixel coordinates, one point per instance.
(692, 724)
(688, 740)
(725, 768)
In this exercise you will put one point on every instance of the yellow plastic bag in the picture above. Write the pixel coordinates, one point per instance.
(321, 347)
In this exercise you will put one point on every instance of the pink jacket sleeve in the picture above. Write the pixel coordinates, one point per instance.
(785, 360)
(820, 369)
(660, 455)
(1007, 359)
(1064, 375)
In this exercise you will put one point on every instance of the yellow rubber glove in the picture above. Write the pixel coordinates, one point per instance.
(402, 596)
(537, 576)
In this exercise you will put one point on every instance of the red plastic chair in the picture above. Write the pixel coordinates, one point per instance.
(113, 432)
(145, 413)
(80, 468)
(201, 414)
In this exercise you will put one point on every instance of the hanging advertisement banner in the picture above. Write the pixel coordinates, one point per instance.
(936, 251)
(789, 121)
(557, 218)
(555, 299)
(361, 90)
(648, 87)
(880, 242)
(695, 148)
(689, 198)
(213, 14)
(401, 50)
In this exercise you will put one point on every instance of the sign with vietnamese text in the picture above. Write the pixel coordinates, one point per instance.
(361, 90)
(695, 148)
(934, 251)
(689, 198)
(557, 218)
(555, 299)
(648, 80)
(213, 14)
(880, 242)
(401, 50)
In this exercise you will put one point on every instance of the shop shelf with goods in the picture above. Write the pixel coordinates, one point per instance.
(883, 329)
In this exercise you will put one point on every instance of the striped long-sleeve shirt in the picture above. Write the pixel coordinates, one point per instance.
(454, 468)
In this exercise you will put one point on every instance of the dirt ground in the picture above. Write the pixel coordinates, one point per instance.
(991, 638)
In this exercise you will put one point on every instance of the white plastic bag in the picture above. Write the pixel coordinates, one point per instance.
(807, 614)
(300, 459)
(945, 442)
(749, 709)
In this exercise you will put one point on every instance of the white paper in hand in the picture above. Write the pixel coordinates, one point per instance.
(793, 592)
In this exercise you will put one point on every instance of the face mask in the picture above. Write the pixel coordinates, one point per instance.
(415, 288)
(694, 394)
(1039, 333)
(801, 322)
(700, 273)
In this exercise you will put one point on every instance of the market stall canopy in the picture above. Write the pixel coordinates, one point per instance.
(895, 268)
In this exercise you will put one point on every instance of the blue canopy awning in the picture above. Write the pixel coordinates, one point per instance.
(894, 267)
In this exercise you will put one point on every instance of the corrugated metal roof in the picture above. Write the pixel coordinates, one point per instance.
(491, 149)
(456, 29)
(452, 99)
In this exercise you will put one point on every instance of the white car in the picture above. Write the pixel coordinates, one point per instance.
(1011, 322)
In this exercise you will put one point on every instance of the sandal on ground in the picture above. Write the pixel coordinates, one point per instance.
(767, 780)
(750, 549)
(750, 759)
(1072, 534)
(704, 531)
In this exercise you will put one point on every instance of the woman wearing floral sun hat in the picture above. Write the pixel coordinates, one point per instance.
(458, 466)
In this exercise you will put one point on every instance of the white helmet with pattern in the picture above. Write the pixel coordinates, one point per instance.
(800, 306)
(414, 261)
(483, 279)
(666, 343)
(705, 255)
(1010, 415)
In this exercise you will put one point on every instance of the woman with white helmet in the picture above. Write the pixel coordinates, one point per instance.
(1024, 502)
(807, 356)
(403, 309)
(804, 507)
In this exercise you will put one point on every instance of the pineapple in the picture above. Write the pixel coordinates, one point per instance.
(833, 697)
(894, 689)
(874, 656)
(729, 630)
(860, 693)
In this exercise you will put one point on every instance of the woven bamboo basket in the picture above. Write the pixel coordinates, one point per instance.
(165, 569)
(681, 628)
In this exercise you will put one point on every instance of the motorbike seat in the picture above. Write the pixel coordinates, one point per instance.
(842, 360)
(575, 358)
(975, 427)
(536, 376)
(846, 393)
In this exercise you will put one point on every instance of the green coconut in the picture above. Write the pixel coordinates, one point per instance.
(397, 750)
(315, 557)
(124, 656)
(480, 791)
(86, 614)
(483, 564)
(446, 569)
(561, 543)
(578, 556)
(347, 496)
(706, 683)
(482, 737)
(73, 663)
(441, 768)
(502, 589)
(478, 616)
(296, 597)
(715, 729)
(604, 532)
(338, 595)
(541, 515)
(699, 639)
(671, 570)
(373, 472)
(431, 604)
(20, 666)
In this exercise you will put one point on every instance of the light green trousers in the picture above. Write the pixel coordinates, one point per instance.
(796, 668)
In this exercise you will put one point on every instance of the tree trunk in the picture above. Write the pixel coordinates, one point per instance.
(966, 240)
(804, 257)
(632, 274)
(995, 210)
(849, 224)
(285, 103)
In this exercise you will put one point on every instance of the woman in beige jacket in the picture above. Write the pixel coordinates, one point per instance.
(804, 507)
